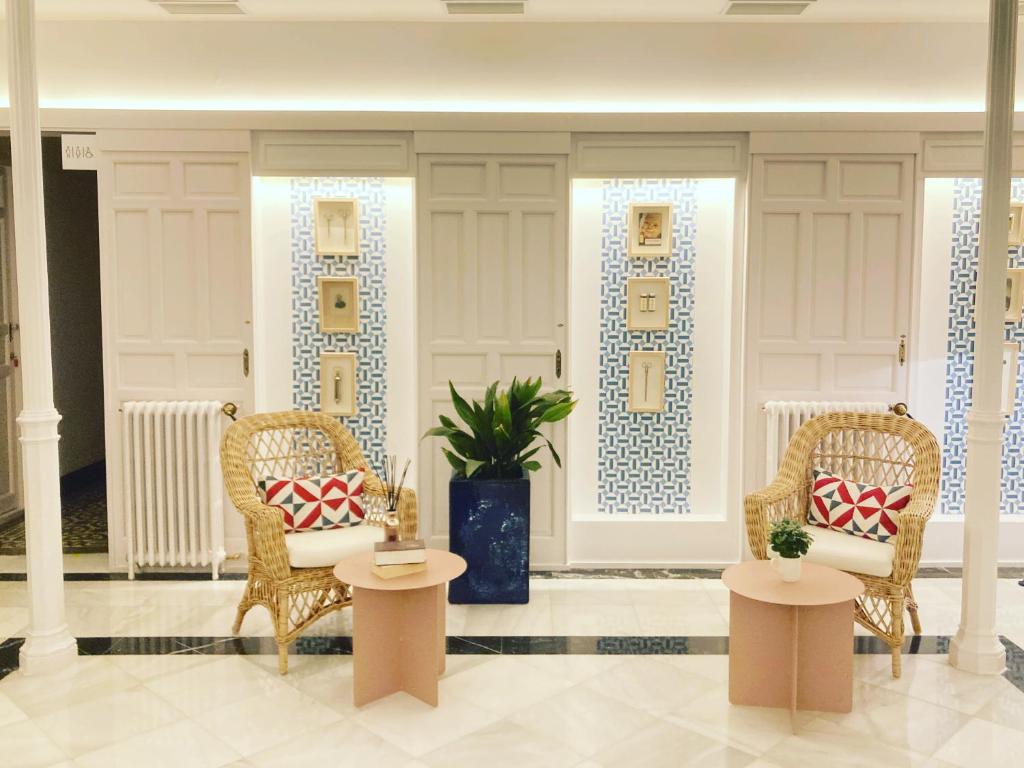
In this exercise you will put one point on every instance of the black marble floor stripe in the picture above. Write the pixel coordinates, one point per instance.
(510, 645)
(569, 573)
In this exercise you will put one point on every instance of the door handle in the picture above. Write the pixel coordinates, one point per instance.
(902, 350)
(558, 364)
(245, 363)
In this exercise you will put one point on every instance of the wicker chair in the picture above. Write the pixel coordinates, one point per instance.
(291, 444)
(877, 449)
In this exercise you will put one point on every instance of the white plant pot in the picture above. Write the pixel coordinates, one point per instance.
(788, 568)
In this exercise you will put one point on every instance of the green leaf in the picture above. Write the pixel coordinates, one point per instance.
(554, 453)
(457, 463)
(472, 465)
(531, 466)
(462, 408)
(557, 412)
(503, 412)
(436, 432)
(524, 456)
(464, 444)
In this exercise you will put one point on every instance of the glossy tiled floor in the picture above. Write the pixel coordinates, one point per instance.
(186, 710)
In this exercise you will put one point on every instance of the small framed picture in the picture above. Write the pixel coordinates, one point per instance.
(646, 381)
(650, 230)
(336, 227)
(647, 303)
(1016, 236)
(338, 383)
(1011, 362)
(1014, 295)
(339, 304)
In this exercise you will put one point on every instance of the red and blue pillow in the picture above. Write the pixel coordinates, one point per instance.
(316, 503)
(868, 511)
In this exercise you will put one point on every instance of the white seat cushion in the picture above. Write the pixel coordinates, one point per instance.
(316, 549)
(850, 553)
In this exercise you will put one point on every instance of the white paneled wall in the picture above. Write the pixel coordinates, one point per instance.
(830, 254)
(176, 279)
(492, 267)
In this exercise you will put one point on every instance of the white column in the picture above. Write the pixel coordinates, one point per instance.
(48, 644)
(976, 647)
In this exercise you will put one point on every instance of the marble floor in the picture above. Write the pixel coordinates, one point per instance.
(182, 696)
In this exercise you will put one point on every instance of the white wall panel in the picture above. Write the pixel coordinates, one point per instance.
(492, 269)
(332, 153)
(657, 155)
(176, 279)
(830, 267)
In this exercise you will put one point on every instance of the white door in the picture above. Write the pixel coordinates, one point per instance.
(829, 286)
(10, 379)
(492, 306)
(176, 280)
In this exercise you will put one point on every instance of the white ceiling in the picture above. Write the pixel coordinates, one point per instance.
(537, 10)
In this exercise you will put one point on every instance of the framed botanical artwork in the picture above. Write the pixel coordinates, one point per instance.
(646, 390)
(336, 226)
(650, 230)
(647, 303)
(338, 383)
(1016, 236)
(339, 304)
(1011, 362)
(1014, 295)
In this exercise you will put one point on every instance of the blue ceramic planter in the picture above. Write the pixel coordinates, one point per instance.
(489, 526)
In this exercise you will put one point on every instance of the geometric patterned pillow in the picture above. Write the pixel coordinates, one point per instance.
(868, 511)
(316, 503)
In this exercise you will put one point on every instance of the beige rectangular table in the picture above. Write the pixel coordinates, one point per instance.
(791, 644)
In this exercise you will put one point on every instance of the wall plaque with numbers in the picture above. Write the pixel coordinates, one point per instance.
(78, 151)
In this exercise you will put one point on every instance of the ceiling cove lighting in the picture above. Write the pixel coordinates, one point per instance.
(512, 106)
(766, 7)
(485, 7)
(200, 7)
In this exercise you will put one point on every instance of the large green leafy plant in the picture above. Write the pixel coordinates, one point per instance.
(498, 436)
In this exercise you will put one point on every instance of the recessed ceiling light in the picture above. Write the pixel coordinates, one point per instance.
(766, 7)
(493, 7)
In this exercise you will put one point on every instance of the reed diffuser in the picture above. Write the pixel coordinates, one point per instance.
(388, 475)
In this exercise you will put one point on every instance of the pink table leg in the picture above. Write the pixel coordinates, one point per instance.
(788, 657)
(398, 643)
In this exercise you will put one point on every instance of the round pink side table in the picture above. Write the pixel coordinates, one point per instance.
(791, 644)
(398, 635)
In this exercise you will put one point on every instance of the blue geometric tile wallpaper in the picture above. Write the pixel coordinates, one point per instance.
(369, 425)
(963, 278)
(644, 458)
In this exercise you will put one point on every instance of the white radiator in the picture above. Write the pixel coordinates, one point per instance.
(173, 487)
(784, 417)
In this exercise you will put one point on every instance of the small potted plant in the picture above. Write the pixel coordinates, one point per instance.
(492, 454)
(790, 543)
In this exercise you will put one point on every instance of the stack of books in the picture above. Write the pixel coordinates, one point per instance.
(399, 558)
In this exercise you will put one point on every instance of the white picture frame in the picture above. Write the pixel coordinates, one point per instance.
(1011, 364)
(650, 230)
(338, 383)
(338, 303)
(336, 226)
(646, 384)
(647, 301)
(1014, 295)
